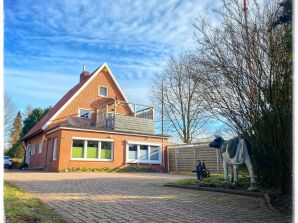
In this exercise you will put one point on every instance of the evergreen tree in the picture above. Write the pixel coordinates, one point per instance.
(16, 129)
(15, 150)
(35, 116)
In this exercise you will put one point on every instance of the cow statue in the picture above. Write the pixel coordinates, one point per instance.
(234, 152)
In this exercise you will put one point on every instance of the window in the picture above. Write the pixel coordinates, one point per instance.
(55, 149)
(146, 153)
(77, 150)
(106, 150)
(93, 149)
(103, 91)
(143, 152)
(40, 147)
(154, 153)
(85, 113)
(133, 152)
(32, 149)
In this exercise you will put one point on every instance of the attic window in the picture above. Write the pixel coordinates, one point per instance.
(103, 91)
(85, 113)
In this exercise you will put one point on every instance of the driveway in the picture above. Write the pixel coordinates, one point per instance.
(137, 197)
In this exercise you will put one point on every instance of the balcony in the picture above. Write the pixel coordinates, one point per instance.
(126, 117)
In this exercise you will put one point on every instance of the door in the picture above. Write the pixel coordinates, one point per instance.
(48, 153)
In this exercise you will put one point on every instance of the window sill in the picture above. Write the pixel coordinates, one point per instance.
(144, 161)
(92, 160)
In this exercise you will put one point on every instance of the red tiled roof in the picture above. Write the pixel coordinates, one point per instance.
(38, 126)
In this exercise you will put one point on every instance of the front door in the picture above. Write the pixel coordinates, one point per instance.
(48, 153)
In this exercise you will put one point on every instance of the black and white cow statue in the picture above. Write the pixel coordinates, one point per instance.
(234, 152)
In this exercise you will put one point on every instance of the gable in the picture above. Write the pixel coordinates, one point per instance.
(89, 98)
(79, 96)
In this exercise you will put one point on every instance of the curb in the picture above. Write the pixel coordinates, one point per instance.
(222, 190)
(230, 191)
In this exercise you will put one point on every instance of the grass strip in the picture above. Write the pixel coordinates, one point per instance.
(22, 207)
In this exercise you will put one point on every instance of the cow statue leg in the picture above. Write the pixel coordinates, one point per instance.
(232, 173)
(235, 171)
(251, 174)
(225, 168)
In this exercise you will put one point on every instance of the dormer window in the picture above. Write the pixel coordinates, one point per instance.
(85, 113)
(103, 91)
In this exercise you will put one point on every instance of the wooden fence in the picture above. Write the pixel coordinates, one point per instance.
(183, 157)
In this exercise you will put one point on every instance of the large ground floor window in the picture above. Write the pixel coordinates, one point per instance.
(138, 152)
(91, 149)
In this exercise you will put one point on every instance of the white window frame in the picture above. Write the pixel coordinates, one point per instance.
(40, 145)
(87, 109)
(138, 160)
(99, 149)
(55, 145)
(32, 149)
(102, 86)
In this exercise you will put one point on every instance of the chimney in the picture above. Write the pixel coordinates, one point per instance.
(85, 74)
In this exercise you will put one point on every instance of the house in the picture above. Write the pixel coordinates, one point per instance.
(95, 126)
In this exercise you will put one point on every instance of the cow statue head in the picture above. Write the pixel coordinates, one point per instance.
(217, 142)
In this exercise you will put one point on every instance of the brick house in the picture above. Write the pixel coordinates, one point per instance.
(95, 126)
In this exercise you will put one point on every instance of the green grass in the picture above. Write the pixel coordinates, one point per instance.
(21, 207)
(213, 179)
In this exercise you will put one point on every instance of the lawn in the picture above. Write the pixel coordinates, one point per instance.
(21, 207)
(214, 179)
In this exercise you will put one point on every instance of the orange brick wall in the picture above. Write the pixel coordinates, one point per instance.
(118, 151)
(38, 159)
(44, 159)
(89, 99)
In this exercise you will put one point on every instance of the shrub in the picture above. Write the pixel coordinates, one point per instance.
(134, 169)
(17, 163)
(109, 170)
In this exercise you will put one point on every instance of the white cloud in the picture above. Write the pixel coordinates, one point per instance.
(47, 42)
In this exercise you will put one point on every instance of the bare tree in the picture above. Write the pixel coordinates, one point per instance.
(28, 111)
(9, 114)
(174, 91)
(247, 75)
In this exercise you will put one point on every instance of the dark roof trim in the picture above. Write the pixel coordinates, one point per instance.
(32, 135)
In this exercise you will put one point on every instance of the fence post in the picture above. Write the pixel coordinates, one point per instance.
(194, 156)
(217, 162)
(176, 154)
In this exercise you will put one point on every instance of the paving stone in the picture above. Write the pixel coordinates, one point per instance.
(137, 197)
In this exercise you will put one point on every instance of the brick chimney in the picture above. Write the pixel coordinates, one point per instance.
(85, 74)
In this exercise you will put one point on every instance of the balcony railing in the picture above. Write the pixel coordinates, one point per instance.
(127, 117)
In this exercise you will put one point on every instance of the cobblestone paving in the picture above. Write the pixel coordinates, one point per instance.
(137, 197)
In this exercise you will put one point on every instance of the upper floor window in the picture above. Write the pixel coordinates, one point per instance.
(85, 113)
(103, 91)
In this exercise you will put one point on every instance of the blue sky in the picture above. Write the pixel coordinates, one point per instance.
(46, 43)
